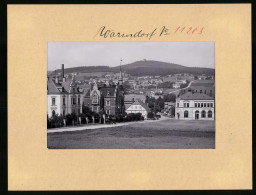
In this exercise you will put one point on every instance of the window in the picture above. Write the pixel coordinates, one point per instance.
(201, 91)
(211, 104)
(74, 90)
(208, 105)
(74, 100)
(177, 104)
(108, 111)
(78, 111)
(53, 101)
(107, 103)
(204, 104)
(64, 113)
(186, 114)
(64, 101)
(95, 99)
(53, 112)
(188, 105)
(203, 114)
(135, 107)
(209, 114)
(108, 93)
(79, 101)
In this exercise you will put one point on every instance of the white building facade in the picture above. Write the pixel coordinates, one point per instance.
(63, 96)
(195, 106)
(138, 107)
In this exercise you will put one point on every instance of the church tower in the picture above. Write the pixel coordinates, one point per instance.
(120, 79)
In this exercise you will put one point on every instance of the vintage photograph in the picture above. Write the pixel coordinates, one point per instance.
(131, 95)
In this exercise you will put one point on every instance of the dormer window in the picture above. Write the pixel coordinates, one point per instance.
(74, 90)
(108, 94)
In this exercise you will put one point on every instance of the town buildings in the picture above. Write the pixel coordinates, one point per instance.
(138, 107)
(108, 98)
(63, 96)
(195, 106)
(129, 99)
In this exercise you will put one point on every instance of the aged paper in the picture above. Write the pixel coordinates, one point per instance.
(31, 166)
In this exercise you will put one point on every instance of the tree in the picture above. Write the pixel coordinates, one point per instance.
(170, 98)
(69, 119)
(147, 99)
(172, 111)
(56, 120)
(150, 115)
(86, 110)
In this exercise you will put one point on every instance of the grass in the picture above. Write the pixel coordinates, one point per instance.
(168, 134)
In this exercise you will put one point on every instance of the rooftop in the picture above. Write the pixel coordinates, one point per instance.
(195, 96)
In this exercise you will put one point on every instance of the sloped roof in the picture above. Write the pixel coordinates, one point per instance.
(105, 90)
(66, 85)
(87, 94)
(195, 96)
(51, 87)
(129, 97)
(139, 102)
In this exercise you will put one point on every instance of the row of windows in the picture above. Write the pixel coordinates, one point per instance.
(73, 101)
(198, 105)
(64, 112)
(203, 114)
(201, 91)
(203, 105)
(136, 107)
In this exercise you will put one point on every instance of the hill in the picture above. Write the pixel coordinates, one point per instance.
(141, 68)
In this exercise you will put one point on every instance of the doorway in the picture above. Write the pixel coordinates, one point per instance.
(197, 115)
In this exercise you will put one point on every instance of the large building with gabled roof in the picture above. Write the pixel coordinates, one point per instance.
(63, 96)
(195, 106)
(108, 98)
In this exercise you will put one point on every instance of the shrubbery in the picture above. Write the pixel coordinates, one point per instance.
(150, 115)
(72, 119)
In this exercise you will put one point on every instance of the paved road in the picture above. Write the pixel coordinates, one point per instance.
(182, 88)
(98, 126)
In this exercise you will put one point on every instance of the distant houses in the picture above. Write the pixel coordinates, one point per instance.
(116, 94)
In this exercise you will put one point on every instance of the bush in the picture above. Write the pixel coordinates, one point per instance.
(150, 115)
(69, 119)
(55, 121)
(83, 118)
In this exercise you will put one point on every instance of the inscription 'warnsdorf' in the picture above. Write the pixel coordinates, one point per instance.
(156, 32)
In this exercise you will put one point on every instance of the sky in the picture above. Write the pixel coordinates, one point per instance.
(74, 54)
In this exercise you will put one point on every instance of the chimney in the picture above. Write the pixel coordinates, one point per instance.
(63, 77)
